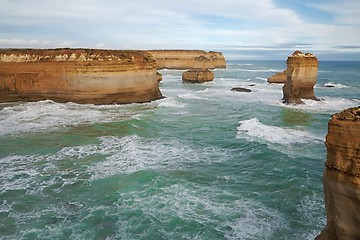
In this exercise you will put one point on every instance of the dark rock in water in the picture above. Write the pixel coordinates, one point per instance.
(252, 85)
(329, 85)
(240, 89)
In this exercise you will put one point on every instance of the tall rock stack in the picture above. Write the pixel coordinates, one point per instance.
(342, 177)
(302, 72)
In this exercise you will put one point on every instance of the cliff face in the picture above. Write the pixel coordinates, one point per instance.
(188, 59)
(78, 75)
(342, 177)
(302, 72)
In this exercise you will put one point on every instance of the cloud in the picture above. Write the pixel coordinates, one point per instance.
(343, 11)
(21, 43)
(204, 24)
(351, 47)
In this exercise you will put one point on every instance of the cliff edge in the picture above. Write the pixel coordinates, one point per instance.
(78, 75)
(188, 59)
(342, 177)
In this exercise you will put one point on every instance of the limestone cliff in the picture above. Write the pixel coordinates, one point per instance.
(78, 75)
(278, 77)
(198, 75)
(302, 72)
(342, 177)
(188, 59)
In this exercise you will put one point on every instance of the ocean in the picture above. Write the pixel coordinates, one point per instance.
(203, 163)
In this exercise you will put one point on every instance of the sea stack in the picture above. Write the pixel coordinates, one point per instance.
(198, 75)
(342, 177)
(302, 72)
(78, 75)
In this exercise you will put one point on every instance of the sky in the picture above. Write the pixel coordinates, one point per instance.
(241, 29)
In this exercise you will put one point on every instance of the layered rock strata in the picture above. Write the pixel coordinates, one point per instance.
(278, 77)
(342, 177)
(78, 75)
(198, 75)
(302, 72)
(188, 59)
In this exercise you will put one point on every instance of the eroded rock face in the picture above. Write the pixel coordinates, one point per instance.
(342, 177)
(302, 72)
(278, 77)
(188, 59)
(198, 75)
(78, 75)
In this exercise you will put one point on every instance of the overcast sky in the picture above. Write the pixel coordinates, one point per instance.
(242, 29)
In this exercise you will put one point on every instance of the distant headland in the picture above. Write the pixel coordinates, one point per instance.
(93, 75)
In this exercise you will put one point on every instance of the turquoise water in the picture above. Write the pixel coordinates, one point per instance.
(203, 163)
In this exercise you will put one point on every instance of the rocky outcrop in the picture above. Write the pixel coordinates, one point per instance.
(278, 77)
(188, 59)
(302, 72)
(198, 75)
(342, 177)
(78, 75)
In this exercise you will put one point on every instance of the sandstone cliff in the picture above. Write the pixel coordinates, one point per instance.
(78, 75)
(188, 59)
(342, 177)
(278, 77)
(302, 72)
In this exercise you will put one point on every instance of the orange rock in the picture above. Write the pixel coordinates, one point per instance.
(198, 76)
(342, 176)
(188, 59)
(278, 77)
(78, 75)
(302, 72)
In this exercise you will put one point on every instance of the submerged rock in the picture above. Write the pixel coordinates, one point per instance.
(302, 73)
(198, 75)
(342, 177)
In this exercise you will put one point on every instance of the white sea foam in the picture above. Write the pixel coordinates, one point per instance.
(171, 103)
(45, 116)
(261, 78)
(119, 156)
(191, 96)
(260, 70)
(239, 218)
(130, 154)
(253, 130)
(331, 85)
(325, 105)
